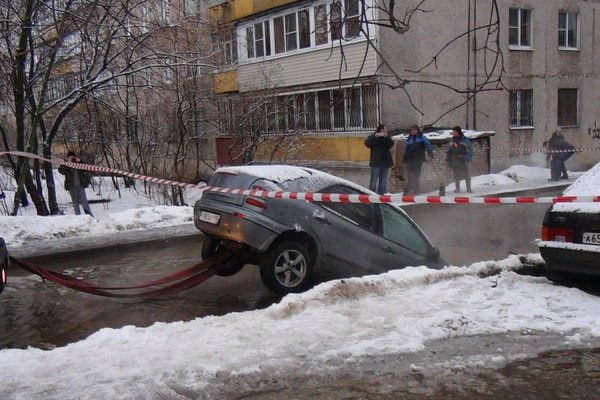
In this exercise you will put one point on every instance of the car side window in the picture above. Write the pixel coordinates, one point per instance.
(396, 227)
(360, 214)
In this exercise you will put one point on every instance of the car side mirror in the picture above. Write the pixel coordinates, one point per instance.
(434, 254)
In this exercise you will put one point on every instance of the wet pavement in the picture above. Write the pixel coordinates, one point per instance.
(494, 367)
(525, 365)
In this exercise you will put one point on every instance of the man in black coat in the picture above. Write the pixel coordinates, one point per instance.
(75, 183)
(380, 160)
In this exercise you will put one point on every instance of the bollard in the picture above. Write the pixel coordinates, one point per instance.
(4, 263)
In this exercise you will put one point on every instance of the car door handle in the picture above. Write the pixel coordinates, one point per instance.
(388, 250)
(323, 219)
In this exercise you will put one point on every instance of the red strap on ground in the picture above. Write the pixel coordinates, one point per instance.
(181, 280)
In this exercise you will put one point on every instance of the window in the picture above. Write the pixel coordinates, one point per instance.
(398, 229)
(258, 37)
(567, 107)
(568, 31)
(303, 29)
(321, 30)
(62, 86)
(191, 7)
(352, 23)
(165, 10)
(168, 70)
(521, 108)
(225, 47)
(347, 109)
(336, 21)
(293, 31)
(360, 214)
(144, 17)
(71, 45)
(286, 33)
(519, 28)
(129, 81)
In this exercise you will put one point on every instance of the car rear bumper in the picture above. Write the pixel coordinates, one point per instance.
(237, 228)
(569, 258)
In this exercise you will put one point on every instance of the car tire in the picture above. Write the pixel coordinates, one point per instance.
(286, 268)
(556, 277)
(212, 246)
(3, 279)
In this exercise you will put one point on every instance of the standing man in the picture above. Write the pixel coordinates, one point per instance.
(458, 156)
(415, 148)
(380, 160)
(75, 183)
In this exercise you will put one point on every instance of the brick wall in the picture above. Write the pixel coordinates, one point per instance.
(436, 172)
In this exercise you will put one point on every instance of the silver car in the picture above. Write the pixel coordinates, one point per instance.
(295, 241)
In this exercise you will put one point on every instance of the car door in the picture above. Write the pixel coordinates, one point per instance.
(341, 228)
(360, 239)
(348, 234)
(401, 241)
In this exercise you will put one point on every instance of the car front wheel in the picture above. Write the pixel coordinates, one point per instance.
(286, 268)
(212, 246)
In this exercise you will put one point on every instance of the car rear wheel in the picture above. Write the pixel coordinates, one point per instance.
(212, 246)
(286, 268)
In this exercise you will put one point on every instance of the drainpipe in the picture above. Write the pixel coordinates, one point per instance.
(467, 108)
(475, 65)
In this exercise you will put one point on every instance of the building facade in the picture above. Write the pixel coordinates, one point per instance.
(313, 78)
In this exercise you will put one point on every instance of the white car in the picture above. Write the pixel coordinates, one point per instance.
(571, 231)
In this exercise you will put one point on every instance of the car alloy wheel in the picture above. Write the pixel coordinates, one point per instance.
(286, 268)
(212, 246)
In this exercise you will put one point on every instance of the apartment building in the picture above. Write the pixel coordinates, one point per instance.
(326, 72)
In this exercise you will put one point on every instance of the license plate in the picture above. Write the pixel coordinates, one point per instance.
(591, 238)
(209, 217)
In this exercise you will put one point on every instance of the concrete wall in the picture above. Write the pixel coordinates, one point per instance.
(436, 171)
(544, 69)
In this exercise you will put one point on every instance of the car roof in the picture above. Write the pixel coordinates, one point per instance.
(587, 184)
(282, 173)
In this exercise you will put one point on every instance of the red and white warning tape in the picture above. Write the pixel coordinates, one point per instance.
(327, 197)
(540, 150)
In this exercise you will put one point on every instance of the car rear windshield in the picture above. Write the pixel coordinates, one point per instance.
(243, 181)
(232, 181)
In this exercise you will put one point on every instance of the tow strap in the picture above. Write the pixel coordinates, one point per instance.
(175, 283)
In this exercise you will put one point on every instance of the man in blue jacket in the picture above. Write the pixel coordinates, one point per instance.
(415, 148)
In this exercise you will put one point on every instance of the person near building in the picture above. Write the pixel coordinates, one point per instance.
(415, 148)
(561, 151)
(458, 156)
(380, 143)
(75, 183)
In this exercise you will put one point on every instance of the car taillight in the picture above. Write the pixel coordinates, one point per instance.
(252, 201)
(557, 234)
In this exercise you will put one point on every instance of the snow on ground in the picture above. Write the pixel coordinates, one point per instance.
(324, 328)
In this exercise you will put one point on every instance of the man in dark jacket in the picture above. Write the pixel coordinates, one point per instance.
(563, 150)
(75, 183)
(458, 156)
(415, 148)
(380, 160)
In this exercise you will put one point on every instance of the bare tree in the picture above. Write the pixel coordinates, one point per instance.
(66, 60)
(479, 31)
